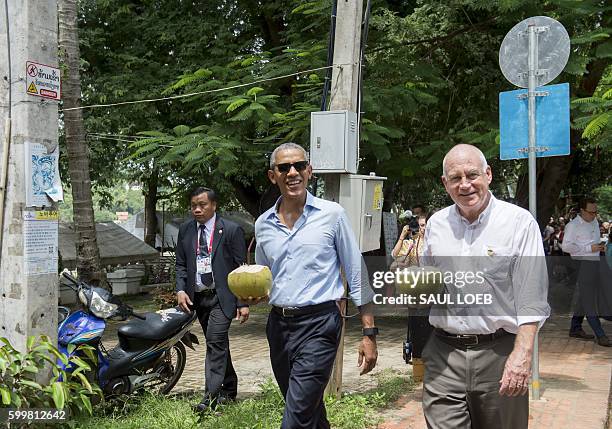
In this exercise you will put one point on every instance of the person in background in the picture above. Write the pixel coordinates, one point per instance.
(547, 234)
(418, 332)
(583, 242)
(561, 221)
(209, 247)
(410, 243)
(419, 210)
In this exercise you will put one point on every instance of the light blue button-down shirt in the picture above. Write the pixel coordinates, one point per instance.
(305, 261)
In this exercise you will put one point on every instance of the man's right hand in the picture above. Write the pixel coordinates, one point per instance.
(183, 301)
(597, 248)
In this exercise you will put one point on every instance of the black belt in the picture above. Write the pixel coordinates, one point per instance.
(303, 311)
(469, 340)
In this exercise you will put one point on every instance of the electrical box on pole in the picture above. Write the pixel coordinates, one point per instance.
(333, 141)
(362, 198)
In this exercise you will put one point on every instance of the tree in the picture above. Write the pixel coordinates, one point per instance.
(431, 81)
(88, 254)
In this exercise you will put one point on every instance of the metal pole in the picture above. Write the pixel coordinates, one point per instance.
(344, 90)
(533, 65)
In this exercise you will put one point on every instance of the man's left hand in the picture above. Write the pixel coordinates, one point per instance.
(368, 354)
(517, 370)
(242, 314)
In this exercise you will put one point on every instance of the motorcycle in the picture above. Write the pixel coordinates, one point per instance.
(150, 353)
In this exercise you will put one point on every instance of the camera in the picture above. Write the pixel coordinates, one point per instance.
(413, 224)
(411, 221)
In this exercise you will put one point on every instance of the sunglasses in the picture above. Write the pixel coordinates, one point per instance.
(285, 167)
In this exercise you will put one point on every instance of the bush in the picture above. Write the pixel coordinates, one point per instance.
(20, 375)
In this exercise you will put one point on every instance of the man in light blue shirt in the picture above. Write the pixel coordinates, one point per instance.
(305, 241)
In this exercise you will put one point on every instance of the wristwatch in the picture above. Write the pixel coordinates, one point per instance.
(370, 332)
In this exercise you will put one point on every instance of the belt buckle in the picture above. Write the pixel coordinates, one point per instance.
(467, 336)
(290, 309)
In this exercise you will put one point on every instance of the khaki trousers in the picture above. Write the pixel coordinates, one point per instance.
(461, 387)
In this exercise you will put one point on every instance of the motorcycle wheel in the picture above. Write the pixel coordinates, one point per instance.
(172, 367)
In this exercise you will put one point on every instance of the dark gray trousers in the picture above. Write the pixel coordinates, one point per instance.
(460, 390)
(219, 371)
(302, 353)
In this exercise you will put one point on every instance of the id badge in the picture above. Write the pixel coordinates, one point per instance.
(204, 264)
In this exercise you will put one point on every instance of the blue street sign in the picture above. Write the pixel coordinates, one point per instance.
(552, 122)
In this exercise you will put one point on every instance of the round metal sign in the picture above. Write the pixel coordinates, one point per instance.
(553, 51)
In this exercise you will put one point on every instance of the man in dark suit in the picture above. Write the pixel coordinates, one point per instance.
(209, 248)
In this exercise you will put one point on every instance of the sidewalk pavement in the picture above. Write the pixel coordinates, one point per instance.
(575, 378)
(575, 374)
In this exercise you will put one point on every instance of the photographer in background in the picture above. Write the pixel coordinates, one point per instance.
(407, 253)
(409, 232)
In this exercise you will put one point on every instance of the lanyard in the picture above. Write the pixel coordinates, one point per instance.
(210, 242)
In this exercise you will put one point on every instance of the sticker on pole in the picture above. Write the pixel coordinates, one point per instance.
(43, 81)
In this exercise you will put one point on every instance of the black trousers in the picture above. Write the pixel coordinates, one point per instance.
(302, 353)
(219, 371)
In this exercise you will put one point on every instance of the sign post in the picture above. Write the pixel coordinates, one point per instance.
(546, 55)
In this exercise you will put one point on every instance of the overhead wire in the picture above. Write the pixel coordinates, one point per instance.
(210, 91)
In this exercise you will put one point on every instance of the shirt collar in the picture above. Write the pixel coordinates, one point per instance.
(482, 217)
(210, 223)
(311, 201)
(584, 222)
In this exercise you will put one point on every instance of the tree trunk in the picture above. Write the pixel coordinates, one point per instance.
(151, 208)
(552, 174)
(87, 252)
(250, 198)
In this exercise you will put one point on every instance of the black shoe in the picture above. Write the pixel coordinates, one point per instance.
(581, 335)
(207, 405)
(225, 399)
(604, 341)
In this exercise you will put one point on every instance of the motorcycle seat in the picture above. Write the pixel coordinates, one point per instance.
(156, 326)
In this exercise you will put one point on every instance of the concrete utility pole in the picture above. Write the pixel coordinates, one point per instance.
(28, 258)
(344, 88)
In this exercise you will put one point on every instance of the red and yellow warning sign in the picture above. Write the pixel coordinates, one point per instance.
(43, 80)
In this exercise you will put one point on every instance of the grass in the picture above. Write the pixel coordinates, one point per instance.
(263, 411)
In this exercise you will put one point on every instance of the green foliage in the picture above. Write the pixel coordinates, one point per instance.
(21, 375)
(603, 195)
(263, 411)
(431, 80)
(594, 115)
(107, 201)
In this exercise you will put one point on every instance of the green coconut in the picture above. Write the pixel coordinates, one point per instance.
(418, 281)
(249, 282)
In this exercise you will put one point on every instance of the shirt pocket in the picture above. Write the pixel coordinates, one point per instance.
(313, 254)
(495, 262)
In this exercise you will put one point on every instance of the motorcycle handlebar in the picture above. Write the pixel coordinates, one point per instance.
(70, 278)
